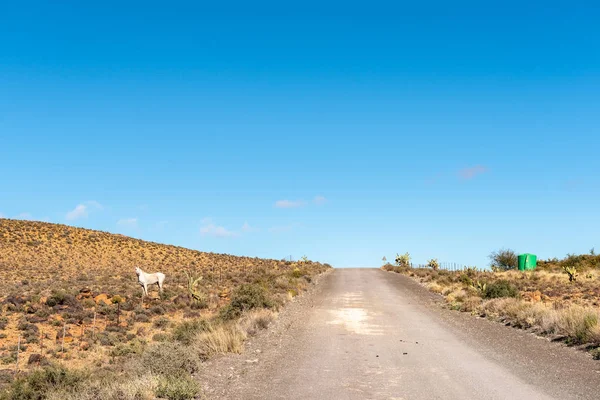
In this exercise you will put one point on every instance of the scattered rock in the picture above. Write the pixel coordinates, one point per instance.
(252, 361)
(102, 298)
(84, 346)
(84, 293)
(533, 297)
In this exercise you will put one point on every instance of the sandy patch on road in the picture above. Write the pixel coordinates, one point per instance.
(354, 320)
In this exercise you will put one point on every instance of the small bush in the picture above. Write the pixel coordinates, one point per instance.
(35, 385)
(186, 331)
(169, 359)
(180, 387)
(245, 298)
(498, 289)
(433, 264)
(403, 260)
(161, 323)
(160, 337)
(3, 323)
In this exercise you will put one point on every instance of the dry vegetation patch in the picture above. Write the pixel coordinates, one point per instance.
(71, 295)
(544, 300)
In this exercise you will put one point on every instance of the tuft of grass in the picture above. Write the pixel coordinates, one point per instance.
(219, 339)
(180, 387)
(256, 320)
(111, 388)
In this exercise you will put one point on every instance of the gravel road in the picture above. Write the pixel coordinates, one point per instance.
(371, 334)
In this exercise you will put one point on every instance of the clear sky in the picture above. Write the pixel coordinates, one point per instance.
(340, 131)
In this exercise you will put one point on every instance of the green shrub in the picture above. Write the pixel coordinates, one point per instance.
(3, 323)
(244, 298)
(186, 331)
(501, 288)
(160, 337)
(170, 359)
(35, 385)
(161, 323)
(465, 279)
(180, 387)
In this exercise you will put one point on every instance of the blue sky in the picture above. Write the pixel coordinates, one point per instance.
(340, 131)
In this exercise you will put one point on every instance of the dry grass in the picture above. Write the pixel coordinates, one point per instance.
(256, 320)
(220, 339)
(546, 302)
(134, 388)
(82, 282)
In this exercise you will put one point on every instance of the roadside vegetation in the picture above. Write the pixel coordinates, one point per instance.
(73, 324)
(559, 299)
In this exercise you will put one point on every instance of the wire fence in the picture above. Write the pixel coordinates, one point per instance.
(450, 266)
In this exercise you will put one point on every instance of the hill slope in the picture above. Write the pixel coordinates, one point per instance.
(61, 280)
(40, 245)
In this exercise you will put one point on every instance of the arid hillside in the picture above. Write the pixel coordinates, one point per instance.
(71, 294)
(43, 247)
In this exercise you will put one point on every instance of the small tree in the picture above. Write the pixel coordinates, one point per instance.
(503, 259)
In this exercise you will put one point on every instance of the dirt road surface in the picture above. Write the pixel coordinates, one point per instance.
(371, 334)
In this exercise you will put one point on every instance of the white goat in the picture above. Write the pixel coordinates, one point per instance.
(145, 279)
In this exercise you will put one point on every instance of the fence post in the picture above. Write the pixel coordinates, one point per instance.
(94, 326)
(62, 345)
(18, 351)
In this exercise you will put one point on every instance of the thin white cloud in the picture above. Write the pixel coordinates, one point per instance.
(128, 222)
(209, 228)
(83, 210)
(25, 216)
(472, 172)
(319, 200)
(80, 211)
(94, 204)
(216, 231)
(289, 203)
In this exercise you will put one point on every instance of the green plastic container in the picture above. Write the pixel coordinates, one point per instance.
(527, 262)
